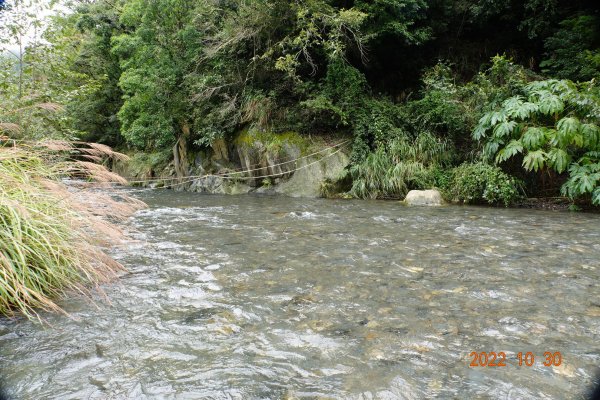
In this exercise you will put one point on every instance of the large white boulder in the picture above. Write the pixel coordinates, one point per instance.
(430, 197)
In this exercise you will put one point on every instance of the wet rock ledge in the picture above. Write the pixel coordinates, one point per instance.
(259, 162)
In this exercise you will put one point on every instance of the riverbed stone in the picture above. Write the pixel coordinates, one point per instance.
(430, 197)
(207, 184)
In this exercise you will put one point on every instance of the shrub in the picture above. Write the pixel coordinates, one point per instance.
(375, 125)
(340, 94)
(474, 183)
(145, 164)
(451, 110)
(443, 108)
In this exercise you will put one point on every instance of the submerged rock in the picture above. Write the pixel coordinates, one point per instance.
(424, 198)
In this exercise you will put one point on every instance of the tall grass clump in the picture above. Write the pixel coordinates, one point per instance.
(403, 164)
(51, 235)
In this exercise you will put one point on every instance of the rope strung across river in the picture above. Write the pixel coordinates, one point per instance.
(234, 174)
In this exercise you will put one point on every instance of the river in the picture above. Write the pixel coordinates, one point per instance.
(248, 297)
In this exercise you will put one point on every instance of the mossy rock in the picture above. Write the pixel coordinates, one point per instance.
(313, 173)
(336, 188)
(272, 142)
(265, 153)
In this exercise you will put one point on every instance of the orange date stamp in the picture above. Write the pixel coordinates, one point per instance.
(527, 359)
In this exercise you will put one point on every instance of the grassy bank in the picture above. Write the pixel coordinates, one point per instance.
(50, 234)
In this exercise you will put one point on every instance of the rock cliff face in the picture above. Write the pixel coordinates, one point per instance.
(308, 180)
(253, 162)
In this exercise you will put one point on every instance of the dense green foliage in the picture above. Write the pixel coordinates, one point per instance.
(156, 107)
(403, 164)
(480, 183)
(95, 112)
(573, 50)
(553, 125)
(408, 80)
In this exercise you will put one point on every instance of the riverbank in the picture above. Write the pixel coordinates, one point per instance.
(255, 162)
(298, 166)
(53, 235)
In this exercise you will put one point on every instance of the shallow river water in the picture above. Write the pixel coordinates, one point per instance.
(246, 297)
